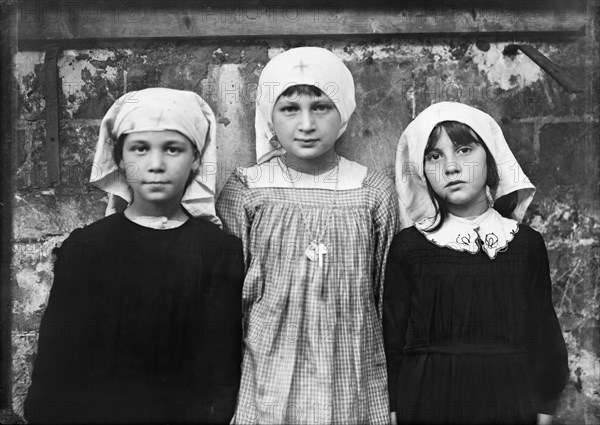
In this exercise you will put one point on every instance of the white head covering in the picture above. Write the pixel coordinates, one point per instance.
(410, 179)
(158, 109)
(312, 66)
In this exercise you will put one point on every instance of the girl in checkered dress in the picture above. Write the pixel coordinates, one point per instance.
(316, 229)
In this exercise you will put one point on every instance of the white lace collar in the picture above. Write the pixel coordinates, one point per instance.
(489, 231)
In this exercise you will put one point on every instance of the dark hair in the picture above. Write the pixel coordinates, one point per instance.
(461, 134)
(302, 89)
(118, 154)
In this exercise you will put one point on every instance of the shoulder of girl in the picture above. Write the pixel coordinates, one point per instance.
(252, 173)
(99, 226)
(266, 174)
(93, 233)
(408, 235)
(220, 246)
(531, 234)
(379, 180)
(408, 242)
(526, 230)
(212, 232)
(371, 176)
(528, 242)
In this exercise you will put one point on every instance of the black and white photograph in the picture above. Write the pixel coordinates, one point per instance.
(300, 212)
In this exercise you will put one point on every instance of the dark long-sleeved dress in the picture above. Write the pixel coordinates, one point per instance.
(469, 339)
(142, 325)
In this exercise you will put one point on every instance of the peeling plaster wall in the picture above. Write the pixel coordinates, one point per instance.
(553, 134)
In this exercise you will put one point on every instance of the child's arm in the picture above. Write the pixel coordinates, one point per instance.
(231, 209)
(224, 335)
(60, 370)
(547, 347)
(396, 305)
(386, 226)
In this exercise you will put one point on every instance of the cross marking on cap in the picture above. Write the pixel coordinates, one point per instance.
(301, 66)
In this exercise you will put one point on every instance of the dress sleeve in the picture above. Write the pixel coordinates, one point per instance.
(225, 334)
(237, 216)
(547, 351)
(60, 368)
(386, 226)
(396, 307)
(233, 210)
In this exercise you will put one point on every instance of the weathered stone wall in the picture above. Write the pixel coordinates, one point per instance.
(554, 135)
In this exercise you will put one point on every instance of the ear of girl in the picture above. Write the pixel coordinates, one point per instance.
(467, 303)
(316, 229)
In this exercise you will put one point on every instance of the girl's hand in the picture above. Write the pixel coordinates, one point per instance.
(543, 419)
(394, 421)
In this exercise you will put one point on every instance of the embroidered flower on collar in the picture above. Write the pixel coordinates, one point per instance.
(490, 241)
(489, 232)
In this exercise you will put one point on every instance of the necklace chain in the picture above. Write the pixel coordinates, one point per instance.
(320, 233)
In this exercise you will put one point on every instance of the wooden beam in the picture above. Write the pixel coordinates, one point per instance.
(8, 149)
(554, 70)
(67, 20)
(51, 88)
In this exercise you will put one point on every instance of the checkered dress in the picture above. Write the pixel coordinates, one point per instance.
(313, 335)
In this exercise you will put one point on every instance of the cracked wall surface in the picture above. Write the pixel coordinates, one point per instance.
(553, 134)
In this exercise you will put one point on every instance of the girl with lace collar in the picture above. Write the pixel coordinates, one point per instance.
(467, 267)
(421, 170)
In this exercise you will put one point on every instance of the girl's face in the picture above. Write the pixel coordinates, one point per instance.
(458, 175)
(157, 165)
(307, 126)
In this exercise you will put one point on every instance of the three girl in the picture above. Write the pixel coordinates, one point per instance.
(143, 320)
(316, 229)
(471, 334)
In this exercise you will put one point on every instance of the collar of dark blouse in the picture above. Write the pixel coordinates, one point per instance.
(159, 223)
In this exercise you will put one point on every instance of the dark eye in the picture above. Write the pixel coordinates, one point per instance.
(322, 107)
(289, 109)
(433, 156)
(464, 149)
(139, 148)
(173, 150)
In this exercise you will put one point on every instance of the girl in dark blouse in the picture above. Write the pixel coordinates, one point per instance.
(470, 332)
(143, 322)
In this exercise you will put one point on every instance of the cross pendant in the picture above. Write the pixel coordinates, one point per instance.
(321, 251)
(316, 251)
